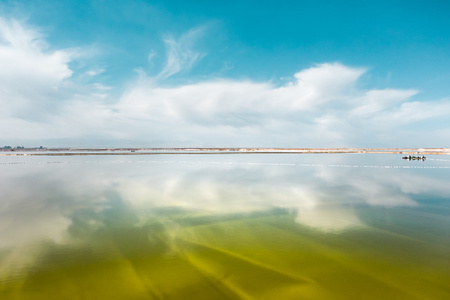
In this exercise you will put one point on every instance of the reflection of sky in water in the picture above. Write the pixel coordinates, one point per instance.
(63, 200)
(38, 198)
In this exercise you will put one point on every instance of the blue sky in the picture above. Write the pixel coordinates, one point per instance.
(225, 73)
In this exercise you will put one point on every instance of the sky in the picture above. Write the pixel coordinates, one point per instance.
(225, 73)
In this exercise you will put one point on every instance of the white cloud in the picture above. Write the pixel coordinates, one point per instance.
(410, 112)
(95, 72)
(100, 87)
(240, 103)
(322, 106)
(29, 73)
(376, 101)
(326, 82)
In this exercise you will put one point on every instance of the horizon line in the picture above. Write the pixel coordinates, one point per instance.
(60, 151)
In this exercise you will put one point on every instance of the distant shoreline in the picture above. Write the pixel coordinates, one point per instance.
(154, 151)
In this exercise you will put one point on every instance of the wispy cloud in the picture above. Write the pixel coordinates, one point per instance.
(151, 56)
(13, 33)
(181, 53)
(95, 72)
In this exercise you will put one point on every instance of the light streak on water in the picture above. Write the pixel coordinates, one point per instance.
(438, 159)
(230, 163)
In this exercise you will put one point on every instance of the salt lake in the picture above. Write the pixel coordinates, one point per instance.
(253, 226)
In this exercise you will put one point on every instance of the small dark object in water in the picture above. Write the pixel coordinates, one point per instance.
(409, 157)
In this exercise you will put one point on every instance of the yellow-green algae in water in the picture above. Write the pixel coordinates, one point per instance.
(113, 248)
(259, 256)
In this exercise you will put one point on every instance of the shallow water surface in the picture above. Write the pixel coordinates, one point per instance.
(259, 226)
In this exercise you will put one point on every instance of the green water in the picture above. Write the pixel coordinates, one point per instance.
(225, 227)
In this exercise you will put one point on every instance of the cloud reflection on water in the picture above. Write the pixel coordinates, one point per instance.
(144, 220)
(40, 202)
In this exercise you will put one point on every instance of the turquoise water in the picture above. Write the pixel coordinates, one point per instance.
(338, 226)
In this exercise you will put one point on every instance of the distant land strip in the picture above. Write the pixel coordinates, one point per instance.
(154, 151)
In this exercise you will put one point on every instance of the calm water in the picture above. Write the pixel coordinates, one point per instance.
(225, 227)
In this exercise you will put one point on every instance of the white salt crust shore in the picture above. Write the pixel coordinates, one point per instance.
(154, 151)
